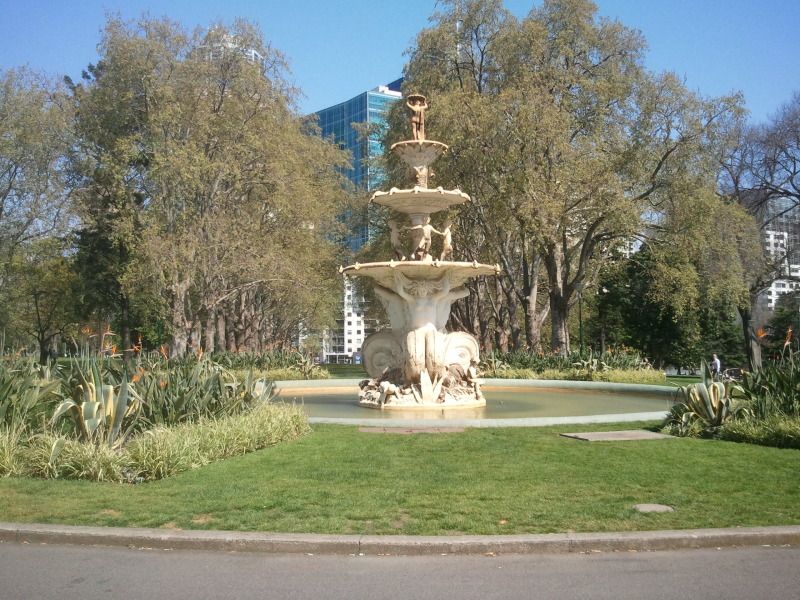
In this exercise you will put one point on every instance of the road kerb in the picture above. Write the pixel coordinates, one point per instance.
(288, 543)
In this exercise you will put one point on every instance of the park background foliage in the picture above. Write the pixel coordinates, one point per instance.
(174, 195)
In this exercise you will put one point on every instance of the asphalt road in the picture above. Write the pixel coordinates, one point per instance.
(42, 571)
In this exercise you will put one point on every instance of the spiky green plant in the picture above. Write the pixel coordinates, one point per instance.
(773, 390)
(102, 411)
(705, 407)
(27, 393)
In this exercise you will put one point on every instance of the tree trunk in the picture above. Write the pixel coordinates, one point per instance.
(44, 350)
(208, 332)
(533, 319)
(559, 318)
(559, 301)
(752, 347)
(180, 329)
(125, 327)
(221, 337)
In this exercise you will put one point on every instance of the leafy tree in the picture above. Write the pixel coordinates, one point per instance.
(785, 322)
(676, 299)
(41, 294)
(34, 138)
(566, 144)
(34, 187)
(762, 174)
(212, 194)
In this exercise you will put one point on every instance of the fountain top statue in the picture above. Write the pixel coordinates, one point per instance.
(417, 363)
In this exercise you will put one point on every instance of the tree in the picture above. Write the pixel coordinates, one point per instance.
(762, 173)
(215, 194)
(41, 294)
(34, 188)
(34, 138)
(567, 145)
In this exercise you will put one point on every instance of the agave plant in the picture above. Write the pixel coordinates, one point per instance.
(305, 364)
(705, 407)
(26, 391)
(589, 366)
(98, 408)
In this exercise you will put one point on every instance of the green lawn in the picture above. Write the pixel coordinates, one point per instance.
(346, 371)
(481, 481)
(679, 380)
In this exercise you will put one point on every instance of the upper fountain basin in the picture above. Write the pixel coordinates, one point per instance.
(419, 153)
(419, 199)
(419, 270)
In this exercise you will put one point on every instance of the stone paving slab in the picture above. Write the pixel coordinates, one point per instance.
(617, 436)
(410, 430)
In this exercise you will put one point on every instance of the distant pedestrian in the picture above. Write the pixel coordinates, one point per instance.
(716, 367)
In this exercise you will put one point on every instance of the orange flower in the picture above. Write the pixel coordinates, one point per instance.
(788, 339)
(761, 334)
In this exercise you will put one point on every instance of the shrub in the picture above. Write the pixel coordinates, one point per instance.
(643, 376)
(779, 432)
(166, 451)
(292, 374)
(158, 453)
(52, 456)
(10, 452)
(614, 358)
(277, 360)
(774, 390)
(511, 373)
(27, 393)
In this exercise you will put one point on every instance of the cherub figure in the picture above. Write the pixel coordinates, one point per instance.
(394, 238)
(421, 237)
(417, 104)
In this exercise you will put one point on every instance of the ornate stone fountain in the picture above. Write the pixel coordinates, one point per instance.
(417, 363)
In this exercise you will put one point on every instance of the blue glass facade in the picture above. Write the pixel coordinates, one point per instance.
(343, 343)
(337, 122)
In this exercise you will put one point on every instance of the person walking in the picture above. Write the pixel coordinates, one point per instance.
(716, 367)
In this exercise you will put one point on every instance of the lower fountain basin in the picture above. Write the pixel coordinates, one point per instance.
(509, 403)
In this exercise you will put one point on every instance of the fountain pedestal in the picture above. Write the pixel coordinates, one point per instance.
(417, 363)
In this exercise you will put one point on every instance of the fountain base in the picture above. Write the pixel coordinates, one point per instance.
(425, 395)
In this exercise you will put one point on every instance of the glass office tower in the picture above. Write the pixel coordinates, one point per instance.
(337, 122)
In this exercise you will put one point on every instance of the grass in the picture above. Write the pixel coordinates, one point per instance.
(481, 481)
(680, 380)
(346, 371)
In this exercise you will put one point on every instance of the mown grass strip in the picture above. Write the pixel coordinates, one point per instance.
(481, 481)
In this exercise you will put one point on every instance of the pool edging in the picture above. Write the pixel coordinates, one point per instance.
(485, 423)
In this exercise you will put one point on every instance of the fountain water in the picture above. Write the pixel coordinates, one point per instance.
(417, 363)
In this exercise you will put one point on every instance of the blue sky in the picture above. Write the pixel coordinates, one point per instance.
(338, 49)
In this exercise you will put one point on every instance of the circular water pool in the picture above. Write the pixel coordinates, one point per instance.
(508, 403)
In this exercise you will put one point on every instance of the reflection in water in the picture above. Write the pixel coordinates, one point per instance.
(501, 403)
